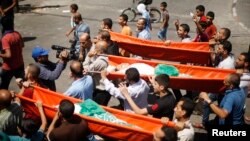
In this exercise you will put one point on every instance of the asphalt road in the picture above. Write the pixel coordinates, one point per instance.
(242, 11)
(45, 23)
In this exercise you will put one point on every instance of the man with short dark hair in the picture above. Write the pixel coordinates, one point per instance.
(126, 30)
(224, 59)
(82, 87)
(165, 133)
(142, 33)
(231, 109)
(72, 127)
(211, 28)
(107, 24)
(183, 111)
(200, 12)
(138, 89)
(220, 37)
(182, 31)
(49, 71)
(163, 107)
(123, 22)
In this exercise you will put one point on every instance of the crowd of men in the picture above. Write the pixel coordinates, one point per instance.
(88, 71)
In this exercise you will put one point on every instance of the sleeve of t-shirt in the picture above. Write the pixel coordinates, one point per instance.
(114, 91)
(156, 108)
(39, 135)
(5, 43)
(228, 105)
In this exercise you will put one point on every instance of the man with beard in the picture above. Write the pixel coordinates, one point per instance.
(49, 71)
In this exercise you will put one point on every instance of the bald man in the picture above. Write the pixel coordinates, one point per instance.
(11, 113)
(83, 86)
(98, 63)
(81, 27)
(86, 46)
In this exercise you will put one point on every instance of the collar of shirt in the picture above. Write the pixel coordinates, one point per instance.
(233, 90)
(8, 31)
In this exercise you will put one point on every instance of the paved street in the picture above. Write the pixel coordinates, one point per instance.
(242, 10)
(45, 23)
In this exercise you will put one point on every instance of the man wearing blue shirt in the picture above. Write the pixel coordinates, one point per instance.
(82, 87)
(142, 33)
(231, 109)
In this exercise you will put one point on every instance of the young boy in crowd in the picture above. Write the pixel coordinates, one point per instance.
(73, 11)
(162, 34)
(126, 30)
(211, 28)
(200, 12)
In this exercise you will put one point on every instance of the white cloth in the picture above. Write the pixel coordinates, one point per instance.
(141, 8)
(144, 69)
(186, 40)
(228, 63)
(138, 91)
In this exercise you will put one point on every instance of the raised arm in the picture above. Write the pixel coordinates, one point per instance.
(43, 117)
(14, 2)
(196, 21)
(52, 125)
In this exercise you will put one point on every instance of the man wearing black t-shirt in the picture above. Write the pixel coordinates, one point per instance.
(164, 107)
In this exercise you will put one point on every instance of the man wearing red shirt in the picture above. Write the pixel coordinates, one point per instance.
(12, 45)
(211, 28)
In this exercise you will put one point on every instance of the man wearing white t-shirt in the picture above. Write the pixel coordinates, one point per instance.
(224, 58)
(242, 67)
